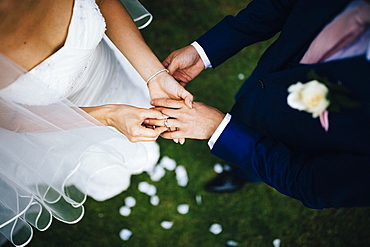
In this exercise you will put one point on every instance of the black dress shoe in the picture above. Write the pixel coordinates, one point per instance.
(227, 181)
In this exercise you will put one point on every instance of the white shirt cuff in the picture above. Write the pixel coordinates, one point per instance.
(219, 130)
(202, 54)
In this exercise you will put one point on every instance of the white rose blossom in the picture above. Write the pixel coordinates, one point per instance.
(309, 97)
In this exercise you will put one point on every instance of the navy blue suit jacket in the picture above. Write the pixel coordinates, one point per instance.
(284, 147)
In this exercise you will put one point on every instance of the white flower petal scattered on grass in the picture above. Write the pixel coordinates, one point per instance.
(232, 243)
(218, 168)
(125, 234)
(130, 201)
(198, 199)
(144, 187)
(147, 188)
(168, 163)
(276, 242)
(125, 211)
(215, 228)
(183, 208)
(157, 173)
(241, 76)
(181, 176)
(166, 224)
(152, 190)
(154, 200)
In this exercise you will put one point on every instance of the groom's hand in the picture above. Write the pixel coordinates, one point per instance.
(199, 122)
(184, 64)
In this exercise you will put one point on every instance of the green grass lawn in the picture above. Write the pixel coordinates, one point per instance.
(253, 216)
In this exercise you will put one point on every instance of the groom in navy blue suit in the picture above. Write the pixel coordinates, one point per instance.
(284, 147)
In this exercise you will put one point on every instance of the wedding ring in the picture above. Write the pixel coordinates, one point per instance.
(166, 122)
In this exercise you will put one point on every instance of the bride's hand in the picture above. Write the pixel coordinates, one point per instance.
(165, 86)
(128, 120)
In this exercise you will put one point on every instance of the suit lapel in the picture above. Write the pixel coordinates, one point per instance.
(296, 35)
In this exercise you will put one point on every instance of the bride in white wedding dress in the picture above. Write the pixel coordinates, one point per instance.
(70, 122)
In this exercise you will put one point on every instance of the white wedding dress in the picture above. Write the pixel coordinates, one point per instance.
(52, 154)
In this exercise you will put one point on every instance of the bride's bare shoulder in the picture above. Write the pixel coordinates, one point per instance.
(6, 4)
(17, 6)
(32, 30)
(7, 7)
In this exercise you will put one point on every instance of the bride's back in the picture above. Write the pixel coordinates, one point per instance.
(33, 30)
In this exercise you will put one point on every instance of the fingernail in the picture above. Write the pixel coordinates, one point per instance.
(146, 121)
(176, 140)
(182, 141)
(190, 103)
(152, 102)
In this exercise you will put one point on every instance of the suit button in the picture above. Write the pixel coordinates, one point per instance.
(262, 84)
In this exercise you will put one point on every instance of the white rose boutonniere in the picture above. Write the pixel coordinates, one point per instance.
(318, 97)
(310, 97)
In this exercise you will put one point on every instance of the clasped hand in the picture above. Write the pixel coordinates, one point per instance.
(181, 117)
(198, 122)
(185, 120)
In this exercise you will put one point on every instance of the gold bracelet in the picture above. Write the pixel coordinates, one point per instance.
(156, 73)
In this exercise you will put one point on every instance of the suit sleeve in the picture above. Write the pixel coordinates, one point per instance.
(259, 21)
(331, 180)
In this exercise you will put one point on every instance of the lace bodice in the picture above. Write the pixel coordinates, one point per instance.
(63, 69)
